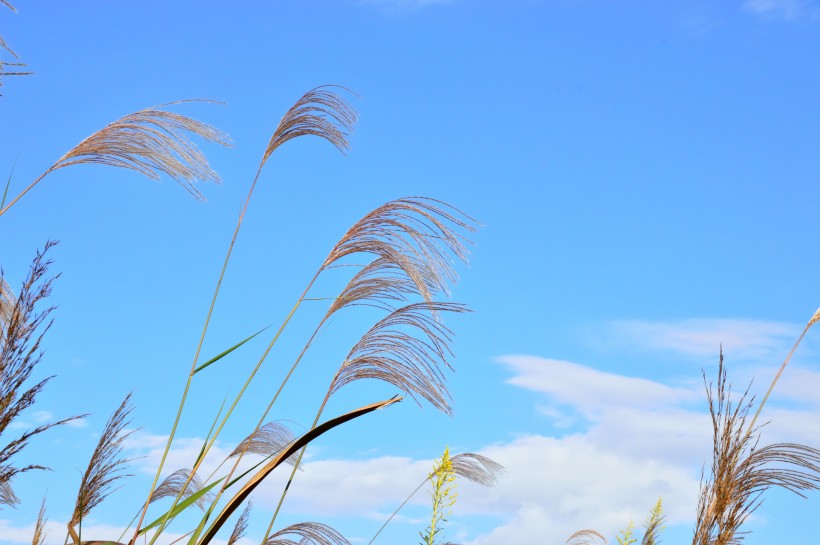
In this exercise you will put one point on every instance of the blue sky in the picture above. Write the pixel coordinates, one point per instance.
(646, 180)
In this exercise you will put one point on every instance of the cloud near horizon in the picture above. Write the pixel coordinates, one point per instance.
(784, 10)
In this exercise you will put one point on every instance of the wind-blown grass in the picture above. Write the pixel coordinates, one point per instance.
(23, 323)
(406, 252)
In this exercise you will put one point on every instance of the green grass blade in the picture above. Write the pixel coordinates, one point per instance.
(294, 447)
(8, 183)
(208, 437)
(226, 352)
(181, 506)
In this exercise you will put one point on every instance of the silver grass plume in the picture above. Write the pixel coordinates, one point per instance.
(106, 464)
(310, 533)
(392, 352)
(23, 326)
(172, 486)
(241, 525)
(742, 471)
(151, 142)
(39, 536)
(417, 235)
(585, 537)
(266, 441)
(320, 112)
(476, 468)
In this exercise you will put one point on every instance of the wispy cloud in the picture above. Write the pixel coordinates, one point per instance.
(589, 389)
(742, 339)
(785, 10)
(55, 531)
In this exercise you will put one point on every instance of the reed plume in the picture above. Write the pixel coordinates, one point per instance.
(39, 536)
(7, 495)
(310, 533)
(320, 112)
(241, 525)
(181, 483)
(406, 349)
(417, 235)
(585, 537)
(22, 328)
(105, 467)
(741, 471)
(266, 441)
(152, 142)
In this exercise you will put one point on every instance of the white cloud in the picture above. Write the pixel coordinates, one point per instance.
(56, 531)
(588, 389)
(554, 487)
(741, 339)
(787, 10)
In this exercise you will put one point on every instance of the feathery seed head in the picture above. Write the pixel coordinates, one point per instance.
(391, 351)
(320, 112)
(104, 468)
(419, 236)
(310, 533)
(172, 486)
(151, 142)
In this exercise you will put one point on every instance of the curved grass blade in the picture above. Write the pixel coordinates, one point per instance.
(181, 506)
(282, 456)
(8, 183)
(228, 351)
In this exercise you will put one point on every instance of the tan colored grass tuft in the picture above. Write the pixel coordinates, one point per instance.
(378, 284)
(585, 537)
(815, 318)
(310, 533)
(266, 441)
(7, 300)
(241, 525)
(415, 234)
(39, 536)
(7, 495)
(742, 471)
(181, 483)
(477, 468)
(23, 325)
(320, 112)
(104, 468)
(151, 142)
(407, 349)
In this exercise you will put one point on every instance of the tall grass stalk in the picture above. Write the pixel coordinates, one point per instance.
(320, 112)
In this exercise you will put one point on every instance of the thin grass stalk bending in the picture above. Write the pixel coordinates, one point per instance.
(398, 358)
(196, 359)
(149, 141)
(473, 467)
(315, 432)
(811, 322)
(306, 117)
(396, 228)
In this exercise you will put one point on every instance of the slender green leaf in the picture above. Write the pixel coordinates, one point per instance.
(181, 506)
(226, 352)
(8, 183)
(254, 481)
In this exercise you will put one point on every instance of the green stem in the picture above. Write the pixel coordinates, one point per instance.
(196, 358)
